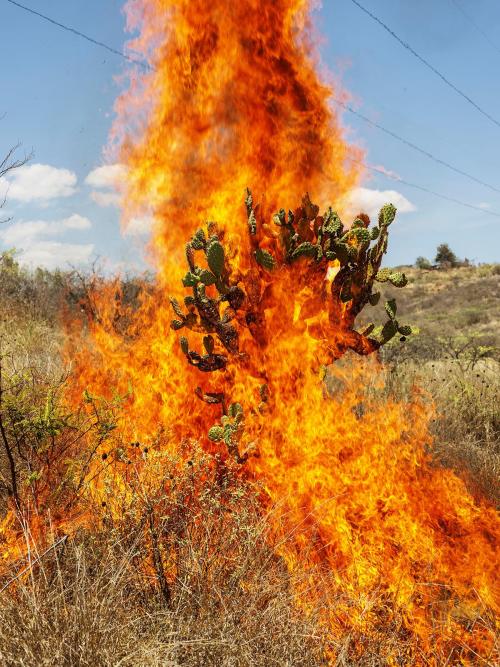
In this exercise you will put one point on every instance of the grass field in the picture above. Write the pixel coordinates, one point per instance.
(85, 602)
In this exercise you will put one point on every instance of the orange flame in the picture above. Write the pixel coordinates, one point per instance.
(234, 101)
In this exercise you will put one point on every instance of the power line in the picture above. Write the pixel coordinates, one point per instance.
(136, 61)
(475, 25)
(427, 63)
(367, 120)
(424, 189)
(345, 106)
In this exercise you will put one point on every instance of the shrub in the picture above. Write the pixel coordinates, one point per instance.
(423, 263)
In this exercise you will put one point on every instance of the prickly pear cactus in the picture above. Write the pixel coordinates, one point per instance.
(221, 301)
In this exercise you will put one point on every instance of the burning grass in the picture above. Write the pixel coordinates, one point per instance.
(99, 598)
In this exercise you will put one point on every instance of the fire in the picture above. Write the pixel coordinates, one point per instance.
(234, 100)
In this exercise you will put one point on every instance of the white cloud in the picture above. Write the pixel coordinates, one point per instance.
(109, 178)
(484, 205)
(106, 198)
(365, 200)
(39, 182)
(36, 247)
(139, 226)
(52, 254)
(21, 233)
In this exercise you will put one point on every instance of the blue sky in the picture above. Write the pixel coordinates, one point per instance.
(57, 94)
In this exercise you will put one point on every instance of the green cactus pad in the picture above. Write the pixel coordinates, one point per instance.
(341, 251)
(304, 250)
(235, 409)
(200, 235)
(391, 308)
(361, 234)
(389, 330)
(176, 308)
(216, 433)
(383, 275)
(398, 279)
(279, 218)
(207, 277)
(387, 215)
(177, 324)
(265, 259)
(358, 224)
(215, 258)
(190, 279)
(184, 344)
(374, 298)
(332, 224)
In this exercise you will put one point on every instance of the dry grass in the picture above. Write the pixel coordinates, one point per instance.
(466, 426)
(96, 600)
(77, 609)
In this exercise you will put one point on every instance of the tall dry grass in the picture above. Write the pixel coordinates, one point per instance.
(96, 599)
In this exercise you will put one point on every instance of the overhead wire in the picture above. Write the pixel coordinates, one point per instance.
(469, 18)
(149, 67)
(78, 33)
(427, 64)
(413, 146)
(422, 188)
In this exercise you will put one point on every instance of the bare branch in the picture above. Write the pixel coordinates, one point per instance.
(7, 164)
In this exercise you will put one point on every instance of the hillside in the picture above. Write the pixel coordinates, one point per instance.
(452, 308)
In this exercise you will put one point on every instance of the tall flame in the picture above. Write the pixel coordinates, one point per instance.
(234, 100)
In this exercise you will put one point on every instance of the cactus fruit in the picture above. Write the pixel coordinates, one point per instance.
(224, 301)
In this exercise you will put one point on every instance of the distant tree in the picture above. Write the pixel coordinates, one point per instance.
(423, 263)
(445, 256)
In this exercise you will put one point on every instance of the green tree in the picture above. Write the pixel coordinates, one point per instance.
(445, 256)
